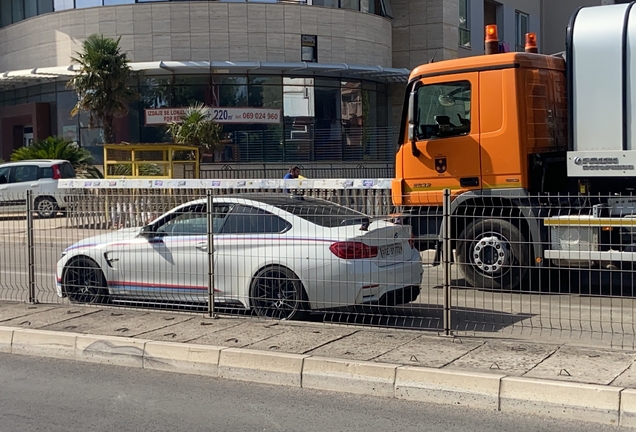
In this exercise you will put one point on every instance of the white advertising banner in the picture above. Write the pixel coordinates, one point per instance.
(234, 115)
(319, 184)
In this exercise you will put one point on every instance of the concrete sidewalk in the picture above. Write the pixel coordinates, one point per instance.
(549, 379)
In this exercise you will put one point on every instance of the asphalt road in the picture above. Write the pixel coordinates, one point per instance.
(54, 395)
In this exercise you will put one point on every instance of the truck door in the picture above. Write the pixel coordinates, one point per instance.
(447, 137)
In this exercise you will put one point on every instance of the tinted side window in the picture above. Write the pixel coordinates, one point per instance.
(24, 173)
(251, 220)
(193, 220)
(326, 215)
(45, 173)
(5, 172)
(186, 224)
(67, 171)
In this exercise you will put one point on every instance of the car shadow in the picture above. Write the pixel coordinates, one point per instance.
(420, 316)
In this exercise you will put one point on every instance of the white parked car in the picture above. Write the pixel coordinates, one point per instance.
(40, 176)
(273, 253)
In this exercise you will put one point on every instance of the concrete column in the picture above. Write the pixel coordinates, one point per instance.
(422, 29)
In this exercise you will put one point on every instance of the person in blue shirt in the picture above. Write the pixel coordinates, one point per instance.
(294, 173)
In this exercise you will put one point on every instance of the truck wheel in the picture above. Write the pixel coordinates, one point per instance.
(492, 253)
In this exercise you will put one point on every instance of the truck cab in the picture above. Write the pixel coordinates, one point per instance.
(479, 126)
(537, 151)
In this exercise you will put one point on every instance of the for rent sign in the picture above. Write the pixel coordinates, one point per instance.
(162, 116)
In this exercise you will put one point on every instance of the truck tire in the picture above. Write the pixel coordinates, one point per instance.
(493, 254)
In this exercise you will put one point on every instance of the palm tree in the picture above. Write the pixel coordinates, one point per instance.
(196, 129)
(101, 83)
(59, 148)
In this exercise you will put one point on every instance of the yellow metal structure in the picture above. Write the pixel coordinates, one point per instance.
(157, 161)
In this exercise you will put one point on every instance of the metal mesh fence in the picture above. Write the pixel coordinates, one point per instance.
(558, 266)
(318, 253)
(519, 265)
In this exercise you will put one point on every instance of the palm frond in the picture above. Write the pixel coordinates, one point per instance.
(59, 148)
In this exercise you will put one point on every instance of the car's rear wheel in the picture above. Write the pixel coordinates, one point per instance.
(276, 292)
(46, 207)
(84, 282)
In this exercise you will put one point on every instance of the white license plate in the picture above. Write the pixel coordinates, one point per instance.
(392, 250)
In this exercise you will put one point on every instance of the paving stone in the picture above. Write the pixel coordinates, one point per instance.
(192, 329)
(511, 358)
(118, 322)
(300, 340)
(45, 318)
(10, 310)
(583, 365)
(364, 345)
(430, 351)
(249, 332)
(627, 378)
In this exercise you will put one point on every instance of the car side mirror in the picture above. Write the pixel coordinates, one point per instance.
(147, 231)
(3, 179)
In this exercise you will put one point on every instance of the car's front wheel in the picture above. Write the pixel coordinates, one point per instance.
(276, 292)
(84, 282)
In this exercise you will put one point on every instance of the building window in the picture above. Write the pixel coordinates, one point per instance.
(45, 6)
(464, 23)
(60, 5)
(309, 48)
(521, 20)
(30, 8)
(17, 7)
(5, 13)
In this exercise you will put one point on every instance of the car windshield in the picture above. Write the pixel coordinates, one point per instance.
(330, 216)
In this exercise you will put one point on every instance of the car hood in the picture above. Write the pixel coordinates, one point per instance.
(110, 237)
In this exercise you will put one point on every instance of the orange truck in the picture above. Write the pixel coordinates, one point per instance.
(538, 152)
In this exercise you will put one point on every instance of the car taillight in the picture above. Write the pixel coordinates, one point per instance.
(353, 250)
(57, 174)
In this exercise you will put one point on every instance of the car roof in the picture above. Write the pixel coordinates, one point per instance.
(34, 162)
(280, 200)
(277, 199)
(270, 198)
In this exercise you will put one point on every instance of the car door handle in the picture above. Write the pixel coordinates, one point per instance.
(203, 246)
(35, 184)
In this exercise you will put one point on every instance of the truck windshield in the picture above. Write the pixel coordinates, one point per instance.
(443, 110)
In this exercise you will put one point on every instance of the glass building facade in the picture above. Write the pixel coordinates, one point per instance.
(322, 119)
(13, 11)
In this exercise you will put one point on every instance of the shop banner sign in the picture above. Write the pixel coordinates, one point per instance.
(234, 115)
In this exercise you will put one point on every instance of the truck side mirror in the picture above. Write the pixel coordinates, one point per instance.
(413, 122)
(412, 107)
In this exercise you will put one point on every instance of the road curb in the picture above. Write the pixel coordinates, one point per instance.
(549, 398)
(471, 389)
